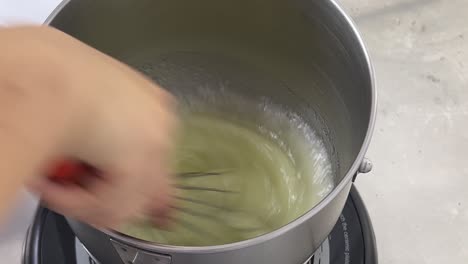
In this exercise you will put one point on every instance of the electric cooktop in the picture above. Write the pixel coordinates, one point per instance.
(51, 241)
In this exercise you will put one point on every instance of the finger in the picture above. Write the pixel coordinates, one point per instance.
(163, 214)
(162, 222)
(144, 184)
(76, 202)
(119, 196)
(70, 200)
(161, 207)
(161, 198)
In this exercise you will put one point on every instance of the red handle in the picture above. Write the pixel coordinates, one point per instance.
(69, 171)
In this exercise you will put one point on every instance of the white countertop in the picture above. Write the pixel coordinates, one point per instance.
(26, 11)
(417, 193)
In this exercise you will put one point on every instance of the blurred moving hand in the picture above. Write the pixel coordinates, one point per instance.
(62, 98)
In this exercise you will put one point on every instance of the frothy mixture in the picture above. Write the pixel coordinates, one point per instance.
(273, 165)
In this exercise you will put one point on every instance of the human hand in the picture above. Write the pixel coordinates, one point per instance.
(117, 121)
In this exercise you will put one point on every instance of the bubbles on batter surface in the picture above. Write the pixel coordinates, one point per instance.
(273, 162)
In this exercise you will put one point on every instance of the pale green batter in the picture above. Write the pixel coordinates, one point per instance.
(273, 178)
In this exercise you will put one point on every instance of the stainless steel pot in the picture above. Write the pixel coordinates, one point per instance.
(305, 55)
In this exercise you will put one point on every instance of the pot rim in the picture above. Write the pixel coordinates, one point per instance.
(152, 246)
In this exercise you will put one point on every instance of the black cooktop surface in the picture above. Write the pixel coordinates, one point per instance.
(51, 241)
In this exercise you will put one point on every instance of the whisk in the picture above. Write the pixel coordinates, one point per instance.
(70, 172)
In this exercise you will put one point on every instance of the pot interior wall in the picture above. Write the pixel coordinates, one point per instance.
(298, 54)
